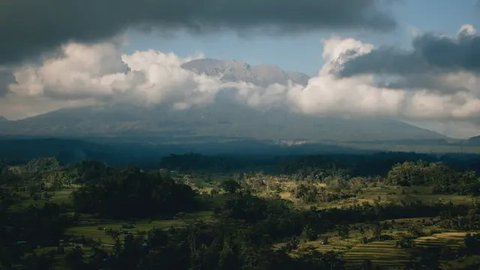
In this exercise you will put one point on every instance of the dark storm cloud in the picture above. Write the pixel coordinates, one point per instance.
(28, 27)
(431, 54)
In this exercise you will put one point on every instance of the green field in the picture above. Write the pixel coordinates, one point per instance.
(380, 253)
(96, 229)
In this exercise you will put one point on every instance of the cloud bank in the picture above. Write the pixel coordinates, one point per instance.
(29, 27)
(99, 74)
(431, 53)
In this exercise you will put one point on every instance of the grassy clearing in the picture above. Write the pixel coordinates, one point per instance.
(63, 197)
(58, 197)
(97, 229)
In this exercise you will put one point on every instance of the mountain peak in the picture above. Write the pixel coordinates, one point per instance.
(234, 70)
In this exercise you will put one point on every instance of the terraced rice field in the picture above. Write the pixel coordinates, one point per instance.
(380, 253)
(446, 239)
(384, 254)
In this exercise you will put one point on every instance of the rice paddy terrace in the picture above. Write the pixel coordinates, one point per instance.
(385, 254)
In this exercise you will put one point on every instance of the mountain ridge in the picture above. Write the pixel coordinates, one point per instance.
(474, 139)
(233, 70)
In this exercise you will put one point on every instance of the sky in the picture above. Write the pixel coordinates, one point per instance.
(442, 16)
(414, 60)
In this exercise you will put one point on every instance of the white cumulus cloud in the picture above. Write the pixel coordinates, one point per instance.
(101, 74)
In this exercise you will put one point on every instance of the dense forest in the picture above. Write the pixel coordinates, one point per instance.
(217, 212)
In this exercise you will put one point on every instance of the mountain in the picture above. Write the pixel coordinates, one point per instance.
(3, 119)
(475, 139)
(225, 120)
(232, 70)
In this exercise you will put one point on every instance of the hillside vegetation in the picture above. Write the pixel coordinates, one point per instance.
(312, 213)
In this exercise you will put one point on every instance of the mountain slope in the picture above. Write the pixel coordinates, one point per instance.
(475, 139)
(222, 119)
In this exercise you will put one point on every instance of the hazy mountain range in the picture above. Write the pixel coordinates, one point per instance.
(226, 118)
(219, 120)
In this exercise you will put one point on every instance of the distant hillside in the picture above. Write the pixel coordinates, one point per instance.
(128, 151)
(222, 120)
(475, 139)
(216, 155)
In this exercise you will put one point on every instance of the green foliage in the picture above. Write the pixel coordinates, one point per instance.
(309, 193)
(309, 233)
(8, 178)
(343, 231)
(41, 165)
(89, 171)
(230, 186)
(443, 178)
(22, 232)
(414, 173)
(222, 246)
(472, 244)
(42, 225)
(133, 193)
(244, 232)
